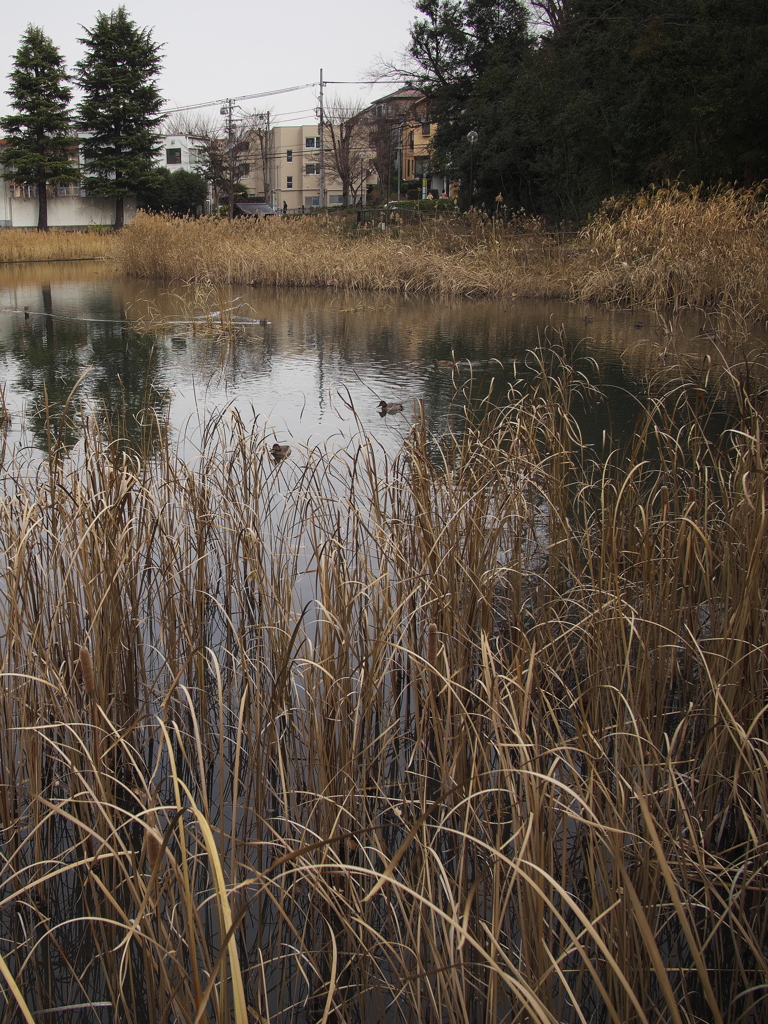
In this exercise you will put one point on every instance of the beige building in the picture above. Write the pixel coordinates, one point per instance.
(286, 169)
(285, 162)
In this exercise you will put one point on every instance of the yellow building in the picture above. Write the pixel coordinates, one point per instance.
(289, 164)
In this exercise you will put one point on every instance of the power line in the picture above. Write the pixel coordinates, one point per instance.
(270, 92)
(251, 96)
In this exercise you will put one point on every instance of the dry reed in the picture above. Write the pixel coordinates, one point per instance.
(474, 733)
(669, 248)
(18, 246)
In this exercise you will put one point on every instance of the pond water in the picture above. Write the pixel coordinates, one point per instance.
(311, 365)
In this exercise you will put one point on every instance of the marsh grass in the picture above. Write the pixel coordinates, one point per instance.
(472, 733)
(18, 246)
(665, 250)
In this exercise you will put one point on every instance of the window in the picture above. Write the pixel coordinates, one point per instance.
(289, 156)
(312, 143)
(173, 156)
(426, 128)
(289, 182)
(312, 201)
(410, 140)
(333, 200)
(311, 169)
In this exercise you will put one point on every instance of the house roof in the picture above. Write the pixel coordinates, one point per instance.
(407, 93)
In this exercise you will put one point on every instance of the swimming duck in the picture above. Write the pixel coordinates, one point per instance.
(444, 364)
(387, 408)
(280, 451)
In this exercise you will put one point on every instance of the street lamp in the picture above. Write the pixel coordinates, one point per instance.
(471, 139)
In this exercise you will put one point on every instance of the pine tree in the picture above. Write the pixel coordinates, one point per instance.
(39, 135)
(120, 109)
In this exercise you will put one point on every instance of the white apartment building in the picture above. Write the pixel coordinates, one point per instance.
(181, 152)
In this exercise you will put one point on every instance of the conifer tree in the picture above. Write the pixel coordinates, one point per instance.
(120, 108)
(39, 134)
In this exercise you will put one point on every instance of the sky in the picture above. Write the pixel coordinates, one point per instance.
(213, 51)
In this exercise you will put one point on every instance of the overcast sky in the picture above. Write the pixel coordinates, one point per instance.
(228, 49)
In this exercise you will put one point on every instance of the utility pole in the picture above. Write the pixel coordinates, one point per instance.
(226, 110)
(322, 144)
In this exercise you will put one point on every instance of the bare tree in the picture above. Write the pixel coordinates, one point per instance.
(224, 146)
(347, 135)
(549, 14)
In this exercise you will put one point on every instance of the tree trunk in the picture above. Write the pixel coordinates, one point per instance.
(42, 206)
(119, 213)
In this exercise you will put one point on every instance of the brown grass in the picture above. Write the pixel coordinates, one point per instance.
(672, 247)
(667, 249)
(476, 733)
(17, 246)
(323, 252)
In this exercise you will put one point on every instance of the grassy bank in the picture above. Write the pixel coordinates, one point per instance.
(669, 248)
(31, 246)
(475, 733)
(666, 248)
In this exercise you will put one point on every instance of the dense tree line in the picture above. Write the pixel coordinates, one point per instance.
(577, 100)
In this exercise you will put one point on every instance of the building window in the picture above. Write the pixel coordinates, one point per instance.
(426, 128)
(173, 156)
(311, 169)
(410, 140)
(289, 182)
(334, 200)
(289, 156)
(312, 201)
(312, 143)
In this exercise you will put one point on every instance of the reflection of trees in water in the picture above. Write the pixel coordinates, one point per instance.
(65, 363)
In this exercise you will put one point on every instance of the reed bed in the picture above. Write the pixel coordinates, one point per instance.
(471, 733)
(18, 246)
(323, 252)
(674, 247)
(666, 249)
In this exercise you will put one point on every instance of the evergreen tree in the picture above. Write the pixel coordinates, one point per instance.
(181, 193)
(120, 108)
(39, 135)
(606, 98)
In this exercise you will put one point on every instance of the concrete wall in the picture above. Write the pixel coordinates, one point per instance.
(63, 211)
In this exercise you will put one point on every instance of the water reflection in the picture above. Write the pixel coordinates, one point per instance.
(311, 365)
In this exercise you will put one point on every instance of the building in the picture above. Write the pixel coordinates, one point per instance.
(401, 142)
(68, 205)
(182, 152)
(286, 170)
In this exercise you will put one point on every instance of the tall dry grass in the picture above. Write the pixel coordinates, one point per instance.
(474, 733)
(439, 258)
(680, 247)
(17, 246)
(667, 248)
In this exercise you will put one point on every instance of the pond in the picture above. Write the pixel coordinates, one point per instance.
(311, 365)
(319, 738)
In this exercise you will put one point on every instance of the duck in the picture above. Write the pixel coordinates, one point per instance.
(387, 408)
(280, 451)
(444, 364)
